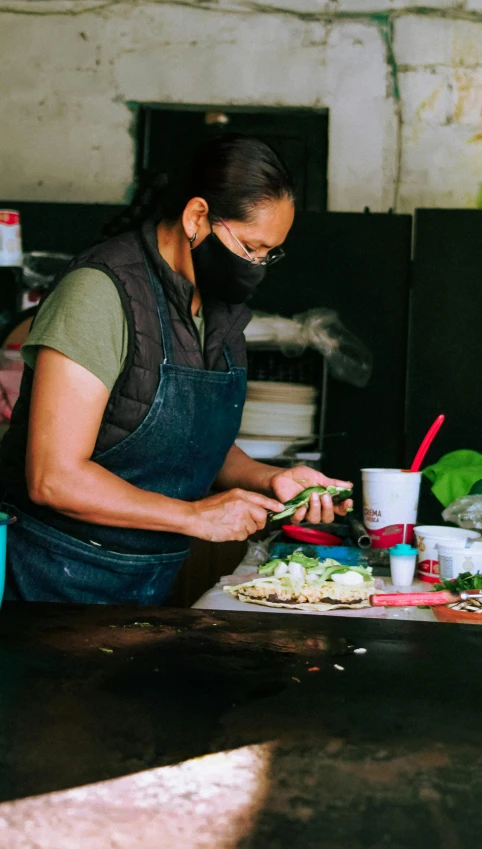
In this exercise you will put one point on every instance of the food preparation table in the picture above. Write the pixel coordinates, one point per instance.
(217, 599)
(135, 727)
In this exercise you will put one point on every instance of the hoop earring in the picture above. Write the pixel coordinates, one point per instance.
(192, 239)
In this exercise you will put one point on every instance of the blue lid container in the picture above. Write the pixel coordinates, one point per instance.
(5, 520)
(402, 549)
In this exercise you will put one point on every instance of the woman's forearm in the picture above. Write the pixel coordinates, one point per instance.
(90, 493)
(240, 470)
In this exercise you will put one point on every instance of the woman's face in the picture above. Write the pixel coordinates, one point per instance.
(226, 262)
(267, 228)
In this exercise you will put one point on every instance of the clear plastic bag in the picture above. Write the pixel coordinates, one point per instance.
(41, 267)
(257, 553)
(348, 358)
(276, 331)
(466, 512)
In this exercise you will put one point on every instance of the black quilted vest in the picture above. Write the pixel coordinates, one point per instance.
(123, 260)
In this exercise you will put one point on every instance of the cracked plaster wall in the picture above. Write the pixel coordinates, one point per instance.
(402, 82)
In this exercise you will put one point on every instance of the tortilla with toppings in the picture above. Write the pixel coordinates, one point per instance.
(304, 583)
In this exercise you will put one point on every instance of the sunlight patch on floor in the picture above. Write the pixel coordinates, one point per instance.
(210, 801)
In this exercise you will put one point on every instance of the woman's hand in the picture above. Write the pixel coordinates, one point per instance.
(232, 515)
(290, 482)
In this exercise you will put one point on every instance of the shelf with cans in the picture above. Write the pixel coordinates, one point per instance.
(11, 261)
(24, 276)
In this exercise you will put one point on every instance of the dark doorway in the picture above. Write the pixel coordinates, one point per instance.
(166, 137)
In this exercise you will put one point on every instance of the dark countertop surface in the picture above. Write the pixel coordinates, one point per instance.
(368, 749)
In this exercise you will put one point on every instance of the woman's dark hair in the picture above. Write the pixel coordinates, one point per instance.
(233, 173)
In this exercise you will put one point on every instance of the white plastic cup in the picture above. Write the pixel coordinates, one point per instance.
(403, 559)
(390, 504)
(454, 560)
(427, 537)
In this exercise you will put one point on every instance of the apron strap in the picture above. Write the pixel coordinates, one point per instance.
(162, 309)
(164, 319)
(228, 357)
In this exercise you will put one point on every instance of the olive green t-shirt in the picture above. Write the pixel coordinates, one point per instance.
(83, 318)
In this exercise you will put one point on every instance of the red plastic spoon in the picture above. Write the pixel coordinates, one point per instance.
(426, 443)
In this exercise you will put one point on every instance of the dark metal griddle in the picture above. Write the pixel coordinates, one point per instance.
(387, 745)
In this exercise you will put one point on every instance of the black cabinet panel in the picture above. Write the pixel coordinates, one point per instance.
(359, 265)
(444, 363)
(63, 227)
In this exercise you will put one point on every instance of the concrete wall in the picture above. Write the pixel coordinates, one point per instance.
(402, 82)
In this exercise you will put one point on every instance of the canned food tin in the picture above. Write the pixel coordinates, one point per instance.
(10, 238)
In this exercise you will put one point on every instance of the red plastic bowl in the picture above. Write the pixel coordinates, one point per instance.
(311, 535)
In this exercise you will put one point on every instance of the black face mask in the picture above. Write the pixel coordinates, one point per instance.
(222, 274)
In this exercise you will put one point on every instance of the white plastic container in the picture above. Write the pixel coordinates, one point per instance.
(403, 560)
(390, 503)
(427, 537)
(453, 559)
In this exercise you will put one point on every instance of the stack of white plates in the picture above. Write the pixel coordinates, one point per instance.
(279, 409)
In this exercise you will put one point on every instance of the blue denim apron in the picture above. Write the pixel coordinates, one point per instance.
(176, 451)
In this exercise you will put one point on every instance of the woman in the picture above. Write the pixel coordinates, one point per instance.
(133, 391)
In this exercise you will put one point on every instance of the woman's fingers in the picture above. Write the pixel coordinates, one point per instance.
(316, 508)
(269, 504)
(342, 509)
(298, 517)
(323, 510)
(327, 511)
(319, 510)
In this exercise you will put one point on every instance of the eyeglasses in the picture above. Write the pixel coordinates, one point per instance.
(270, 258)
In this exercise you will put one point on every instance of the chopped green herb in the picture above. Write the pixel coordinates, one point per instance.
(268, 568)
(464, 581)
(303, 560)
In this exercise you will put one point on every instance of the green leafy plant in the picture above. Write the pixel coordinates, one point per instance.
(464, 581)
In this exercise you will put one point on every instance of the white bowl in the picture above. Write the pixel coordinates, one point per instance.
(268, 448)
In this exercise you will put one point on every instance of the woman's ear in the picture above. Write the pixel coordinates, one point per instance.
(195, 219)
